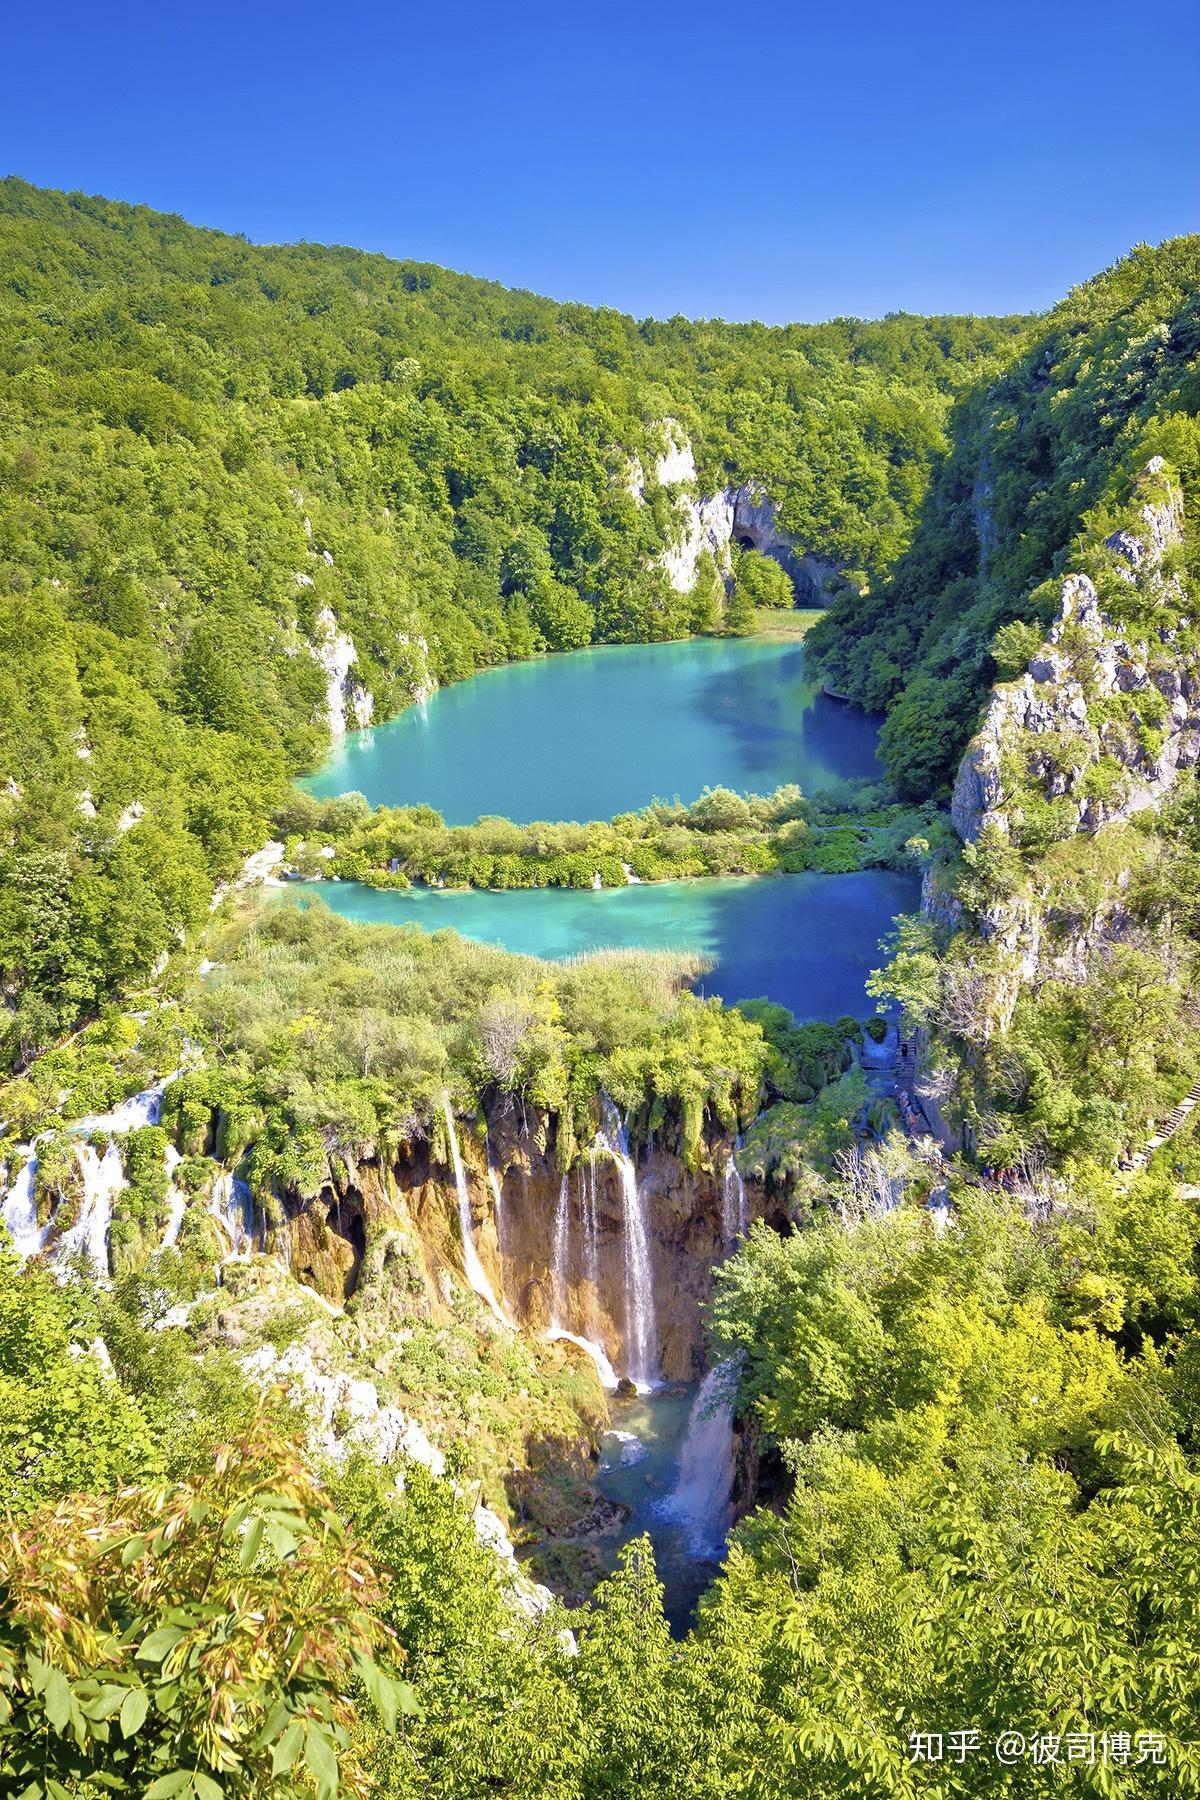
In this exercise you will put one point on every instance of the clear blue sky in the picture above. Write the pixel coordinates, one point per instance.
(778, 162)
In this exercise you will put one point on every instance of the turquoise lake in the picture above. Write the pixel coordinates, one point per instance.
(808, 941)
(598, 732)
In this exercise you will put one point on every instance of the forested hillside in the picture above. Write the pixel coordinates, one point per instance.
(219, 462)
(1043, 462)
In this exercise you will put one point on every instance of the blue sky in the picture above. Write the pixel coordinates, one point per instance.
(784, 162)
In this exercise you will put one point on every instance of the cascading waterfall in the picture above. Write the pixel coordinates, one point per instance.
(590, 1225)
(232, 1207)
(641, 1325)
(176, 1201)
(734, 1211)
(497, 1187)
(701, 1500)
(474, 1270)
(103, 1179)
(560, 1270)
(604, 1368)
(20, 1212)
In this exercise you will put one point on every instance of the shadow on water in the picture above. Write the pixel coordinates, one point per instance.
(776, 719)
(597, 732)
(807, 941)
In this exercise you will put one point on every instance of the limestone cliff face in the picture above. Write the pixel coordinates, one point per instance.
(743, 515)
(555, 1257)
(1106, 714)
(1095, 731)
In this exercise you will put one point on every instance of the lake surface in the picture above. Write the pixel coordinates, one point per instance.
(807, 941)
(603, 731)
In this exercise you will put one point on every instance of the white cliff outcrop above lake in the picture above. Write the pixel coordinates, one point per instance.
(347, 700)
(713, 523)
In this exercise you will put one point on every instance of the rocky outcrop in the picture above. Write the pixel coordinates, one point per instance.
(345, 698)
(1107, 711)
(713, 524)
(1095, 731)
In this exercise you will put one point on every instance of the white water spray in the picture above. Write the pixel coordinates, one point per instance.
(560, 1277)
(496, 1184)
(641, 1325)
(590, 1226)
(702, 1497)
(20, 1211)
(734, 1210)
(232, 1206)
(176, 1201)
(103, 1179)
(473, 1269)
(604, 1369)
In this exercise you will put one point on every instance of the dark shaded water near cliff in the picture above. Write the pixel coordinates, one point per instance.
(808, 941)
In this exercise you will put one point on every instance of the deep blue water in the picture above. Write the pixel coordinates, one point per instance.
(808, 941)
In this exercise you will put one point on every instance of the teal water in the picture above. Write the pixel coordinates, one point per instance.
(808, 941)
(603, 731)
(639, 1466)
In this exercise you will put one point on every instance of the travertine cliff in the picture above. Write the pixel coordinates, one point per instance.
(713, 523)
(1108, 710)
(1094, 732)
(556, 1255)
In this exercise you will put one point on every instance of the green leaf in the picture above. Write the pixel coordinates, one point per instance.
(321, 1761)
(206, 1787)
(134, 1710)
(287, 1749)
(168, 1786)
(160, 1643)
(57, 1699)
(133, 1548)
(251, 1542)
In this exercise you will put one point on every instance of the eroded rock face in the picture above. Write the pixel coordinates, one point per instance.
(714, 523)
(345, 698)
(391, 1220)
(1063, 720)
(1070, 734)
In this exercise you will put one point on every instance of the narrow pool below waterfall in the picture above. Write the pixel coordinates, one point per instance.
(640, 1467)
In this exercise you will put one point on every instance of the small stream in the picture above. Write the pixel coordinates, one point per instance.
(640, 1464)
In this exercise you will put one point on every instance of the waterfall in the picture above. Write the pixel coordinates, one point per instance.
(103, 1179)
(701, 1497)
(604, 1369)
(473, 1269)
(590, 1224)
(130, 1115)
(641, 1326)
(561, 1289)
(176, 1202)
(496, 1184)
(232, 1207)
(734, 1214)
(20, 1212)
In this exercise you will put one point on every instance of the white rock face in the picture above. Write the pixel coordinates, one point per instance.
(712, 523)
(346, 1415)
(345, 1410)
(704, 525)
(334, 649)
(1088, 658)
(1067, 715)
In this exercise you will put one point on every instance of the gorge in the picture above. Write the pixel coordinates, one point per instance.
(501, 1264)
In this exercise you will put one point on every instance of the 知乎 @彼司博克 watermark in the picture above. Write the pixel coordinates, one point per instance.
(1122, 1748)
